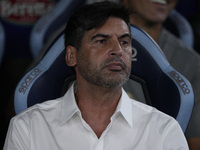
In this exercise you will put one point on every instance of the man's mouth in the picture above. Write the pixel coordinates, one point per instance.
(115, 66)
(164, 2)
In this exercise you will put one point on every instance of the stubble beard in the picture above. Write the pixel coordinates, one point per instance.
(102, 77)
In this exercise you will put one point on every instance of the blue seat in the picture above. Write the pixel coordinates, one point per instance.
(2, 42)
(162, 86)
(49, 24)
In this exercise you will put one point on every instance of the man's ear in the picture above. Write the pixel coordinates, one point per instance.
(71, 56)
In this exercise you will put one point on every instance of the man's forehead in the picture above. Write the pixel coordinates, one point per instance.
(113, 26)
(114, 22)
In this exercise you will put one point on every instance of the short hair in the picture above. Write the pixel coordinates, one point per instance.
(92, 16)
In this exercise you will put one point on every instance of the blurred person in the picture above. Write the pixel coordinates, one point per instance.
(150, 15)
(96, 113)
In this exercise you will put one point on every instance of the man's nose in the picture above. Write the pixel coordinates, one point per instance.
(116, 49)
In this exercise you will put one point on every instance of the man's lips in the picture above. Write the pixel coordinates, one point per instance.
(115, 66)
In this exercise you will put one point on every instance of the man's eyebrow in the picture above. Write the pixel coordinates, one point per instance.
(125, 35)
(107, 36)
(99, 35)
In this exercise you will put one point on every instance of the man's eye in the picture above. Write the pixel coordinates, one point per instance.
(101, 41)
(124, 42)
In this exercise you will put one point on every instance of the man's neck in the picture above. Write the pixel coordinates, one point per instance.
(97, 105)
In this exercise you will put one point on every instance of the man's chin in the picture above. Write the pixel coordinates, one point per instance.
(113, 82)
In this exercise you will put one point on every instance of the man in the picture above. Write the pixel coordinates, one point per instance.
(96, 113)
(150, 15)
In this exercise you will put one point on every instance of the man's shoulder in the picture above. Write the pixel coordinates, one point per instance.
(141, 109)
(145, 110)
(177, 52)
(167, 39)
(45, 108)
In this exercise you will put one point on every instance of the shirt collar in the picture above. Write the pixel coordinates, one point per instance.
(69, 106)
(125, 108)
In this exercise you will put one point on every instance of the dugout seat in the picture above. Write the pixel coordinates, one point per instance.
(162, 86)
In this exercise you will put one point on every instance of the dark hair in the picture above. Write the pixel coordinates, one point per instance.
(92, 16)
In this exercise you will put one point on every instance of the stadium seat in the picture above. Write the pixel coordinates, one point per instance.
(163, 87)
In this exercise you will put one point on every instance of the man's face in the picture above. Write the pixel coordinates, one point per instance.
(154, 11)
(105, 55)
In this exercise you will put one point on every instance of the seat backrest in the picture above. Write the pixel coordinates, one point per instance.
(49, 24)
(163, 87)
(2, 42)
(177, 24)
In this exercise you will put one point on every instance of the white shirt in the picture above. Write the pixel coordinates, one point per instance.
(58, 125)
